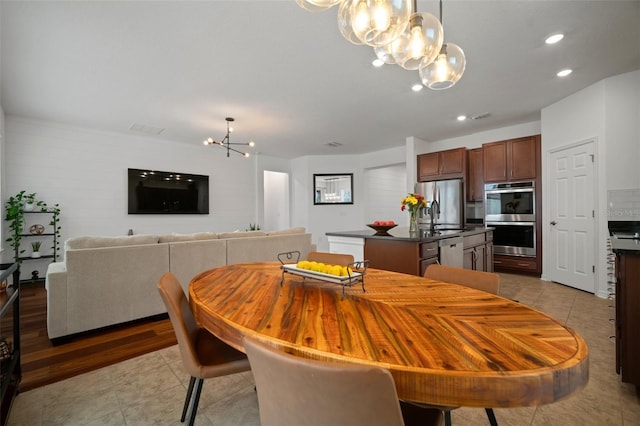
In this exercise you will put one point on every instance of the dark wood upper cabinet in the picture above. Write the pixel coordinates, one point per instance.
(475, 176)
(442, 164)
(514, 159)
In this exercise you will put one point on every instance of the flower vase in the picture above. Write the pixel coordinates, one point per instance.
(413, 222)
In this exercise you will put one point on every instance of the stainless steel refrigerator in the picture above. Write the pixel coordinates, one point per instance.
(449, 195)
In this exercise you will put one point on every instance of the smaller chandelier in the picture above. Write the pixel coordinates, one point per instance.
(226, 141)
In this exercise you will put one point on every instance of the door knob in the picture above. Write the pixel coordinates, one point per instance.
(554, 223)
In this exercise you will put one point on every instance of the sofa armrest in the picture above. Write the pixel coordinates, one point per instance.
(56, 286)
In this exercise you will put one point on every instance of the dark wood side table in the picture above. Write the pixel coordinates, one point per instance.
(10, 371)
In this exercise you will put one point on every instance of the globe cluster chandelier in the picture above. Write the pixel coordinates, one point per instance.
(226, 140)
(399, 35)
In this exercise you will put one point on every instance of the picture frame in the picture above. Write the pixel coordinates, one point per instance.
(332, 188)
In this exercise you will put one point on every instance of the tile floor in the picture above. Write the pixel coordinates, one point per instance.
(150, 389)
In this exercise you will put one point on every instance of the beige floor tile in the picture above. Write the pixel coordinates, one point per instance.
(150, 389)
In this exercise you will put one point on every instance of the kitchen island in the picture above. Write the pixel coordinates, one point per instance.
(411, 253)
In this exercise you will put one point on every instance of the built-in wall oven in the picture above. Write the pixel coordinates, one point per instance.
(510, 209)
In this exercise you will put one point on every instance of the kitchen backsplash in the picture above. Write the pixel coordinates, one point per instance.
(623, 205)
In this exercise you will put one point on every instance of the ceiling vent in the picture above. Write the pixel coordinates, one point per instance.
(479, 116)
(334, 144)
(143, 128)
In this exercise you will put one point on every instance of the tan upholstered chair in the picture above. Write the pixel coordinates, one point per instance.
(298, 391)
(203, 355)
(330, 258)
(485, 281)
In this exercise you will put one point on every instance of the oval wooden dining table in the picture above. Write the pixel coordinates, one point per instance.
(443, 343)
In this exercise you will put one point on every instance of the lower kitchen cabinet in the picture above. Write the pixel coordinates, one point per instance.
(515, 263)
(627, 318)
(478, 252)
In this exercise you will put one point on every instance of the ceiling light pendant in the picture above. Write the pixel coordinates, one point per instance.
(344, 22)
(378, 22)
(226, 141)
(385, 53)
(317, 5)
(421, 40)
(447, 69)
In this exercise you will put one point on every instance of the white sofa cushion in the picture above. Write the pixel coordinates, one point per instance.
(189, 258)
(241, 250)
(99, 242)
(297, 230)
(198, 236)
(241, 234)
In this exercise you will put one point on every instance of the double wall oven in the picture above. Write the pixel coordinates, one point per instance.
(510, 209)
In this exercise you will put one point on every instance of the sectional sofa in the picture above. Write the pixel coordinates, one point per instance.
(105, 281)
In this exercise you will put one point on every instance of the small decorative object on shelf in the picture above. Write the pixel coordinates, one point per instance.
(35, 247)
(36, 229)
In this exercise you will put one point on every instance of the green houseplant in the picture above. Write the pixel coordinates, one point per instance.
(35, 248)
(14, 214)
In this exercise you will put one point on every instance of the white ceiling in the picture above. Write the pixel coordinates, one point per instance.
(287, 76)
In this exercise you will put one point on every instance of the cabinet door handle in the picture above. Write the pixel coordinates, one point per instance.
(553, 223)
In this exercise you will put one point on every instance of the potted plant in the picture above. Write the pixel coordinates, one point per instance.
(35, 247)
(15, 207)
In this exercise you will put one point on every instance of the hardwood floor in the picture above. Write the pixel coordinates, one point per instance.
(44, 363)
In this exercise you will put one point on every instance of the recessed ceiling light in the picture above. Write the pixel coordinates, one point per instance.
(417, 87)
(377, 63)
(564, 73)
(462, 117)
(554, 38)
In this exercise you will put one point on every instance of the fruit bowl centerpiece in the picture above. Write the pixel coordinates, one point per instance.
(382, 227)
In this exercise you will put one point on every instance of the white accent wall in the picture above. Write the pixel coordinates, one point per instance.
(85, 172)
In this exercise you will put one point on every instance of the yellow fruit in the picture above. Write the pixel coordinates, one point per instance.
(335, 270)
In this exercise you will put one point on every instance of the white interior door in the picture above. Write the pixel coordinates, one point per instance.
(572, 222)
(276, 200)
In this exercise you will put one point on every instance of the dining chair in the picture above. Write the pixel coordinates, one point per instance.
(204, 356)
(297, 391)
(480, 280)
(330, 258)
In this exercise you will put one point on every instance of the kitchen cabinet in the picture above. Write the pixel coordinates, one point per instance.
(627, 319)
(511, 160)
(442, 165)
(478, 252)
(475, 175)
(507, 263)
(428, 255)
(397, 255)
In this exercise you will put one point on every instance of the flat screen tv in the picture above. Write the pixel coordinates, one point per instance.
(156, 192)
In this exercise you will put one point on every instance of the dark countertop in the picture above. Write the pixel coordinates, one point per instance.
(625, 246)
(402, 234)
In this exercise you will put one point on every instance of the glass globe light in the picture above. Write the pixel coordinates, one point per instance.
(379, 22)
(344, 22)
(445, 70)
(317, 5)
(385, 53)
(422, 40)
